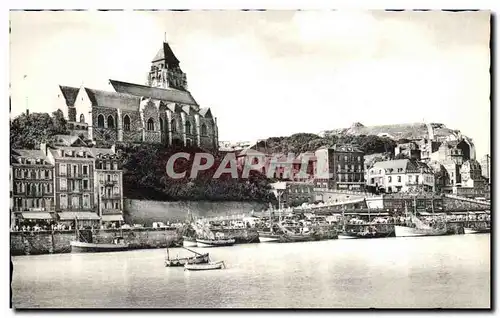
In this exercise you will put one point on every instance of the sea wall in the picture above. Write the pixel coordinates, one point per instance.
(48, 242)
(146, 212)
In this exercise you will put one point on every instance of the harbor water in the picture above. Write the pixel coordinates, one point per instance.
(431, 272)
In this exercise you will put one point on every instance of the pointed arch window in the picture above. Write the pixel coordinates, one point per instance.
(174, 125)
(100, 121)
(204, 131)
(111, 122)
(161, 124)
(188, 127)
(126, 123)
(151, 124)
(82, 118)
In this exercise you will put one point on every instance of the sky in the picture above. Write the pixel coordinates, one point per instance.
(272, 73)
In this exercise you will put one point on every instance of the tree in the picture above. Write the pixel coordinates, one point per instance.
(27, 131)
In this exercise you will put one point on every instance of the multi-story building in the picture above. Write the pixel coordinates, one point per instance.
(163, 111)
(473, 183)
(401, 175)
(297, 193)
(108, 184)
(74, 184)
(32, 184)
(340, 168)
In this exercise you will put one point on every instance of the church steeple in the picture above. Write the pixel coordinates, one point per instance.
(165, 70)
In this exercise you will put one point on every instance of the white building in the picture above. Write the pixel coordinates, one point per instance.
(402, 175)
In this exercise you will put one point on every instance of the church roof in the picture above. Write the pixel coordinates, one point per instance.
(68, 140)
(166, 53)
(205, 112)
(69, 94)
(112, 99)
(167, 95)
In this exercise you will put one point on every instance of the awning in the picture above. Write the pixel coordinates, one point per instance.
(112, 218)
(65, 216)
(36, 216)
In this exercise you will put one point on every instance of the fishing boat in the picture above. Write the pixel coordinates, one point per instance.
(84, 247)
(78, 246)
(205, 267)
(188, 241)
(365, 230)
(268, 237)
(474, 230)
(215, 242)
(198, 258)
(419, 228)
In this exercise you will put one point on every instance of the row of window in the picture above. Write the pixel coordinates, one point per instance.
(349, 158)
(73, 185)
(26, 203)
(73, 169)
(107, 192)
(74, 201)
(111, 205)
(38, 189)
(108, 177)
(106, 165)
(33, 174)
(30, 161)
(348, 177)
(150, 125)
(351, 168)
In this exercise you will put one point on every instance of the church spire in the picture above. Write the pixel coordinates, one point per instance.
(165, 71)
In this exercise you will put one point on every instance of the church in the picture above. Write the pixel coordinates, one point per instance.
(162, 112)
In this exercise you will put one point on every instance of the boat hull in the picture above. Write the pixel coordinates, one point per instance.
(468, 230)
(268, 238)
(204, 267)
(178, 262)
(364, 235)
(406, 231)
(82, 247)
(215, 243)
(189, 242)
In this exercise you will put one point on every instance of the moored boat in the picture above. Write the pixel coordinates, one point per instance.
(215, 242)
(188, 241)
(268, 237)
(84, 247)
(205, 267)
(181, 261)
(471, 230)
(407, 231)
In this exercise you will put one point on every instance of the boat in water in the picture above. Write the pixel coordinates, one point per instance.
(419, 228)
(118, 245)
(472, 230)
(215, 242)
(188, 241)
(268, 237)
(364, 229)
(205, 267)
(197, 258)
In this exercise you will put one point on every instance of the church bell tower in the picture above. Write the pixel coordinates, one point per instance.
(165, 71)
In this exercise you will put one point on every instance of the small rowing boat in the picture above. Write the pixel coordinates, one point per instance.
(181, 261)
(205, 267)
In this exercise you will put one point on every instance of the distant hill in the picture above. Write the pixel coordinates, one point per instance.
(409, 131)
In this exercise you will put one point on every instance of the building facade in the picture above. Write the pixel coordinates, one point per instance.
(108, 184)
(74, 183)
(401, 175)
(32, 184)
(163, 111)
(340, 168)
(486, 167)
